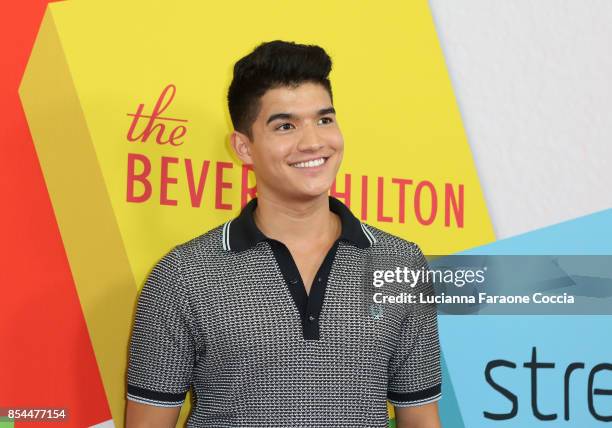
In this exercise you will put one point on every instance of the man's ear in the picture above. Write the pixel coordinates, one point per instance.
(242, 146)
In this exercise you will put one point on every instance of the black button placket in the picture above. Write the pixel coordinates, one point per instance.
(308, 306)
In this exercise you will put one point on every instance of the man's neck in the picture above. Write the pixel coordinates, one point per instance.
(297, 223)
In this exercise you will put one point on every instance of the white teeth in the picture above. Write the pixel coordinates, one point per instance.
(309, 164)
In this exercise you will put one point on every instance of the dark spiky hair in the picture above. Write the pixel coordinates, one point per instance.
(271, 65)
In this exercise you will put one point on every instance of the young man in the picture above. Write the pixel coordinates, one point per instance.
(263, 316)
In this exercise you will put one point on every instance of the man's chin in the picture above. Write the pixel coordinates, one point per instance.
(310, 195)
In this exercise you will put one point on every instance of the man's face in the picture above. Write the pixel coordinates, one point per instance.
(296, 146)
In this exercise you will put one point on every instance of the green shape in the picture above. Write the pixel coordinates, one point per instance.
(391, 423)
(6, 422)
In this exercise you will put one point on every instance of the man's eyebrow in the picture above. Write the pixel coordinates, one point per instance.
(279, 116)
(329, 110)
(322, 112)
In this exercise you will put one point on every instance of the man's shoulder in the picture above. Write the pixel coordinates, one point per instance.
(207, 245)
(393, 245)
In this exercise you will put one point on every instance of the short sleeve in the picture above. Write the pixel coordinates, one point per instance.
(414, 369)
(162, 346)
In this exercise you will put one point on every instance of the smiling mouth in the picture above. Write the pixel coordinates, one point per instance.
(310, 164)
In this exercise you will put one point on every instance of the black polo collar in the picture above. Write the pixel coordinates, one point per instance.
(242, 233)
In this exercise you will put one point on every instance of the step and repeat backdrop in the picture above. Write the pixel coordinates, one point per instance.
(117, 149)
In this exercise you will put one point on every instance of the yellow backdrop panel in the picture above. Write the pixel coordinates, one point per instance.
(127, 106)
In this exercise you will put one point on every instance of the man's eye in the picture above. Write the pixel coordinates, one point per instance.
(285, 127)
(325, 120)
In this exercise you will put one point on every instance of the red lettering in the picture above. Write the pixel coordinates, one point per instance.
(451, 200)
(364, 197)
(346, 195)
(245, 190)
(418, 199)
(403, 182)
(381, 194)
(175, 134)
(132, 176)
(160, 106)
(222, 185)
(196, 194)
(165, 180)
(137, 116)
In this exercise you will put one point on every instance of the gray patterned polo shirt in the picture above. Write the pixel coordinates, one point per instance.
(227, 315)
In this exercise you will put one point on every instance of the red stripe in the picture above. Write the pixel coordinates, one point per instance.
(46, 357)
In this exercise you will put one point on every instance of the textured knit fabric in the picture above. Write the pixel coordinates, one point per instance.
(226, 322)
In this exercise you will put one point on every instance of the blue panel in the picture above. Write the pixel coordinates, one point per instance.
(470, 342)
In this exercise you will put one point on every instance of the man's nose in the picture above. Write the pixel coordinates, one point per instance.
(310, 141)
